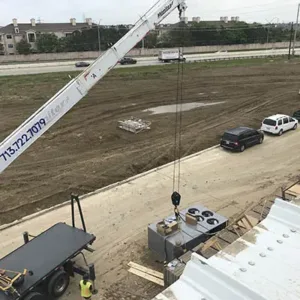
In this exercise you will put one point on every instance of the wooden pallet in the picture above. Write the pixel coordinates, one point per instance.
(291, 192)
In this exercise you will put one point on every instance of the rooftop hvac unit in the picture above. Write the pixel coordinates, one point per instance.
(169, 239)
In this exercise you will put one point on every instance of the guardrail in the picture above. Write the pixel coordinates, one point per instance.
(241, 55)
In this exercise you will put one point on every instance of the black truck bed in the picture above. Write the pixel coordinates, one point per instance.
(43, 254)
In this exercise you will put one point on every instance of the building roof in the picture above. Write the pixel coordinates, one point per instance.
(44, 27)
(261, 265)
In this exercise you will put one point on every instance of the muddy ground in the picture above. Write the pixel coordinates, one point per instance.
(85, 150)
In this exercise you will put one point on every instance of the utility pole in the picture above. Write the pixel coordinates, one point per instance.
(143, 46)
(99, 37)
(291, 37)
(295, 35)
(268, 28)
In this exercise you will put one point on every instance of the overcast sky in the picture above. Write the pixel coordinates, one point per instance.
(127, 11)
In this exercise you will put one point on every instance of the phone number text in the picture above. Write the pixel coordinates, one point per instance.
(24, 139)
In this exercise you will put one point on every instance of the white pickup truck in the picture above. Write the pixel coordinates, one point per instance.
(170, 55)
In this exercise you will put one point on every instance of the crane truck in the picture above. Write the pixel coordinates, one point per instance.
(41, 267)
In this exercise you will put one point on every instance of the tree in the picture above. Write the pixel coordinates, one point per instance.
(23, 47)
(47, 43)
(150, 41)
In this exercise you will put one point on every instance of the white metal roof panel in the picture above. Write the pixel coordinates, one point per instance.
(264, 264)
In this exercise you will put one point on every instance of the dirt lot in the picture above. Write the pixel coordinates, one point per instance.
(85, 150)
(222, 181)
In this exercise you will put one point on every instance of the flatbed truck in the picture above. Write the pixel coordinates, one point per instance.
(41, 268)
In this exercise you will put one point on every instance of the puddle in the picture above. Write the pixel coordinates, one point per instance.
(184, 107)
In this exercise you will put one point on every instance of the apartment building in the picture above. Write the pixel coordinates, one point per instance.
(13, 33)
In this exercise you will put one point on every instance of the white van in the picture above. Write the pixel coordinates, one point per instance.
(277, 124)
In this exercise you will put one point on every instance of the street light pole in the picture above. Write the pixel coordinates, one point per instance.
(296, 28)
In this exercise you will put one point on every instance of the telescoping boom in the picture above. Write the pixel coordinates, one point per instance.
(28, 132)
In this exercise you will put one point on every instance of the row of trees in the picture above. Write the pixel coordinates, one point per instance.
(195, 34)
(203, 33)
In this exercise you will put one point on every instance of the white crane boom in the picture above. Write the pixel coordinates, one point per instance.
(28, 132)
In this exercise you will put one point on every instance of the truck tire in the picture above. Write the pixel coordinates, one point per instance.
(34, 296)
(58, 284)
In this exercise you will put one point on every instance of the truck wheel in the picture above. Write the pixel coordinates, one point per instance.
(34, 296)
(58, 284)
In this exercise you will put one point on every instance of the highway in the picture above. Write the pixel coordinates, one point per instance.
(118, 215)
(69, 66)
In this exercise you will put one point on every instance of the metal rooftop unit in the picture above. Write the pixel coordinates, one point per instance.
(261, 265)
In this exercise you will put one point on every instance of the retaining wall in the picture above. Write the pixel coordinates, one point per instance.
(137, 52)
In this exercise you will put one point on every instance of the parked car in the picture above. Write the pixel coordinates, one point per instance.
(278, 124)
(81, 64)
(128, 61)
(296, 115)
(240, 138)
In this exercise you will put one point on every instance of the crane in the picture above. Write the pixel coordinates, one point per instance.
(55, 108)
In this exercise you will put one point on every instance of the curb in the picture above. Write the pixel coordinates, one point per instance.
(103, 189)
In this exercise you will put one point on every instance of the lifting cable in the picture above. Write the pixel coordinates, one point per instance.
(178, 128)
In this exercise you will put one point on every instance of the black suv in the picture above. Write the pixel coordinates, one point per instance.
(241, 137)
(296, 115)
(128, 61)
